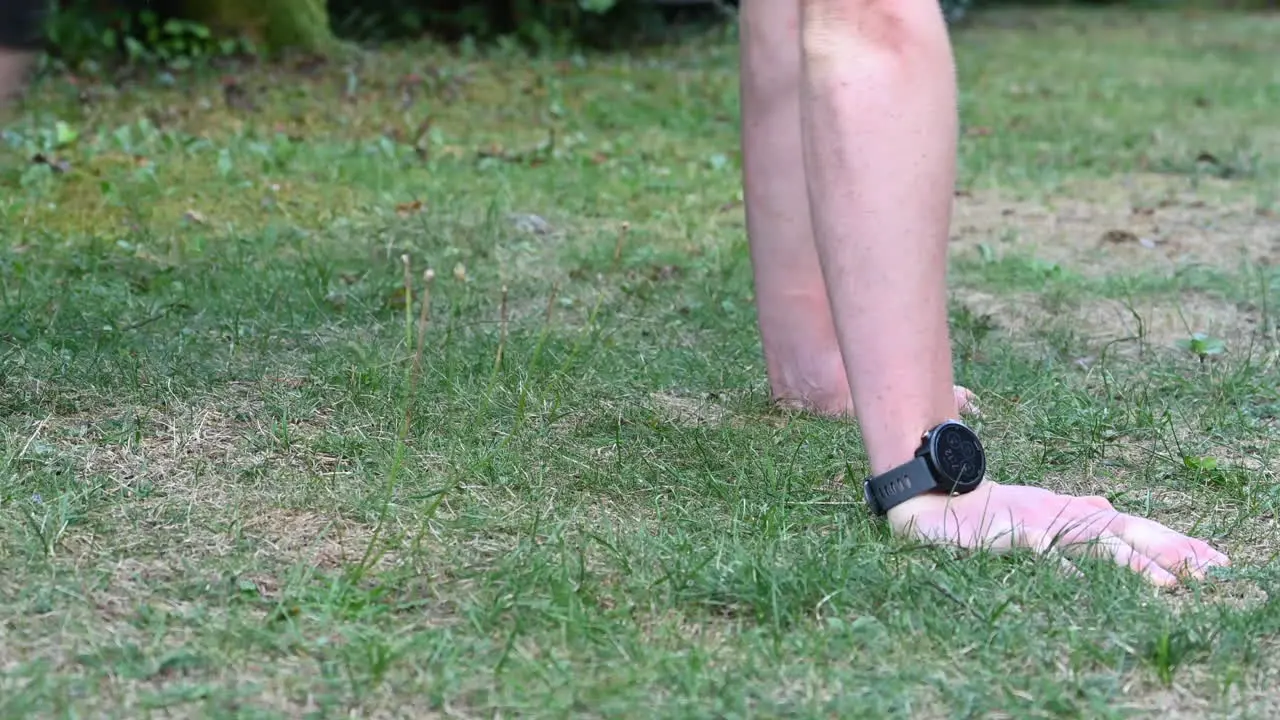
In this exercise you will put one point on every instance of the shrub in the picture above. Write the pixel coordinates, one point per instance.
(540, 22)
(160, 29)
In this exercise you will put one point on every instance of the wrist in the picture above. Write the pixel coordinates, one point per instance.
(900, 517)
(893, 432)
(948, 460)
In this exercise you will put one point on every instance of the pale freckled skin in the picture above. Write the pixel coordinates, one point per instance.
(849, 144)
(14, 66)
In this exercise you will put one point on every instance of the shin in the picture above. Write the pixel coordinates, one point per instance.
(803, 359)
(879, 122)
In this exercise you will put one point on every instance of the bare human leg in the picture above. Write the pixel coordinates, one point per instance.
(14, 65)
(879, 119)
(804, 362)
(877, 107)
(21, 26)
(802, 357)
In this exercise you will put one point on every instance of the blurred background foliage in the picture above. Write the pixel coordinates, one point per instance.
(176, 32)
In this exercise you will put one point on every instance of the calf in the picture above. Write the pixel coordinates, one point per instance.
(21, 22)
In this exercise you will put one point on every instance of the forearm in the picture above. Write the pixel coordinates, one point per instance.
(879, 118)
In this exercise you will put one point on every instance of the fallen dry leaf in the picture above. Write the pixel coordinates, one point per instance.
(1119, 236)
(409, 208)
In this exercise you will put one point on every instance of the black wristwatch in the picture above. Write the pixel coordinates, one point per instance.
(950, 460)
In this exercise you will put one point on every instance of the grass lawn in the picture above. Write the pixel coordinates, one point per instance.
(225, 491)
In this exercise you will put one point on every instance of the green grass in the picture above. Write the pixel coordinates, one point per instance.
(211, 503)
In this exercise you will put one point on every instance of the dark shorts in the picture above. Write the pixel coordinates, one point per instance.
(22, 24)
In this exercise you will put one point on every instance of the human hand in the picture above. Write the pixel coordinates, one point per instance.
(1002, 517)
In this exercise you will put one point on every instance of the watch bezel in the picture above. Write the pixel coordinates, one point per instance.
(949, 477)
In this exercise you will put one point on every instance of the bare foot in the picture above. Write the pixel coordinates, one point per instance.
(840, 404)
(966, 401)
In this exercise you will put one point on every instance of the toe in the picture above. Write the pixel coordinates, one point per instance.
(966, 401)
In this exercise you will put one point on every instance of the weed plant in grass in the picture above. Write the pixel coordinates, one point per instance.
(241, 473)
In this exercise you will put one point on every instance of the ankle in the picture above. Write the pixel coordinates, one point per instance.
(820, 388)
(825, 404)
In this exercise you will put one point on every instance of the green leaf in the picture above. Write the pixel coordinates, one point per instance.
(597, 6)
(1207, 462)
(64, 134)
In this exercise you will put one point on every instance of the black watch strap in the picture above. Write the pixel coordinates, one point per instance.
(898, 485)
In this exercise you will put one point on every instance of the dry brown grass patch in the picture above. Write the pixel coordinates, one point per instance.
(1126, 327)
(1196, 692)
(1142, 222)
(322, 541)
(188, 481)
(688, 411)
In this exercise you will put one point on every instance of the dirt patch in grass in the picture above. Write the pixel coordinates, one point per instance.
(688, 411)
(1196, 691)
(320, 540)
(194, 478)
(1124, 327)
(1139, 223)
(1165, 323)
(175, 456)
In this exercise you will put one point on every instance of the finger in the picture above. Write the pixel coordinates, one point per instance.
(1083, 520)
(1096, 501)
(1172, 550)
(1196, 549)
(1103, 532)
(1108, 544)
(1046, 546)
(1069, 568)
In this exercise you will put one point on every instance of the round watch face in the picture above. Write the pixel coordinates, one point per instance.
(958, 456)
